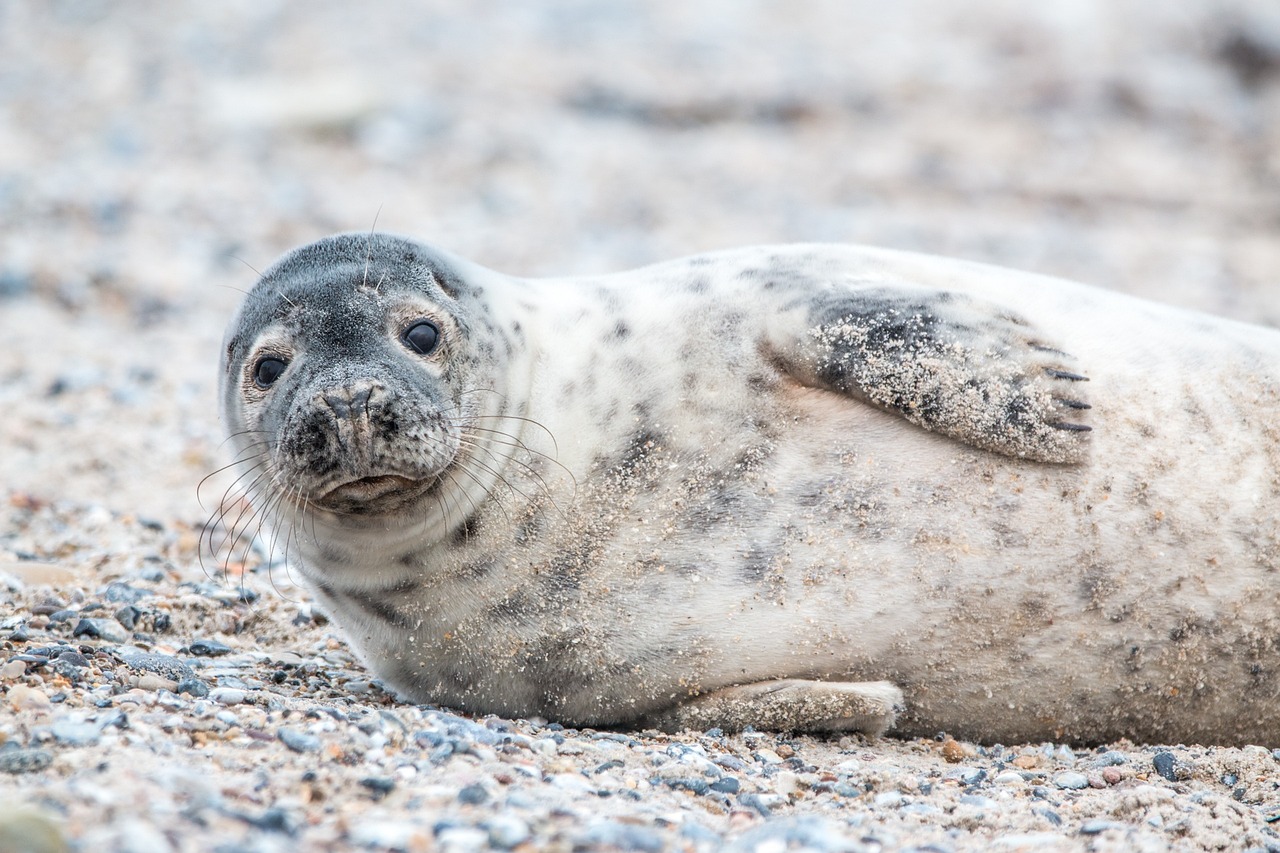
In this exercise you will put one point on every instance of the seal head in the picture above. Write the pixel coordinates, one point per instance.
(345, 375)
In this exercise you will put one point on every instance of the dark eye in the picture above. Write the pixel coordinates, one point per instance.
(422, 337)
(268, 371)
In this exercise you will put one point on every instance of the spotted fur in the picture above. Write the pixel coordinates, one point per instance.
(1028, 509)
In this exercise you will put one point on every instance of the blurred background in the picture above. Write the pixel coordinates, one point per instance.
(153, 154)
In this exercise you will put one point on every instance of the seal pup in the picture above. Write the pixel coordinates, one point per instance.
(810, 487)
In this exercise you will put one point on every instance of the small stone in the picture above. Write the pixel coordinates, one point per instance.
(458, 839)
(296, 740)
(192, 687)
(13, 669)
(1071, 780)
(24, 760)
(208, 648)
(507, 831)
(1010, 777)
(152, 682)
(390, 834)
(74, 732)
(953, 752)
(228, 695)
(473, 795)
(379, 785)
(624, 836)
(725, 785)
(970, 776)
(1166, 765)
(164, 665)
(979, 801)
(122, 593)
(693, 785)
(101, 629)
(767, 756)
(23, 698)
(1096, 827)
(128, 616)
(889, 799)
(25, 830)
(1111, 775)
(1110, 758)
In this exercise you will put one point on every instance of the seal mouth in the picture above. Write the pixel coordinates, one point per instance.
(372, 494)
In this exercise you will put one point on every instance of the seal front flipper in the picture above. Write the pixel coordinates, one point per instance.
(789, 705)
(947, 362)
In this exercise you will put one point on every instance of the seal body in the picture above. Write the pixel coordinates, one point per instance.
(806, 487)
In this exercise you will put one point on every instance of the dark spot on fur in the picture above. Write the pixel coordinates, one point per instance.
(467, 530)
(621, 331)
(374, 605)
(755, 564)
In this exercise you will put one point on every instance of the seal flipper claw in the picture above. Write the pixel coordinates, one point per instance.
(943, 360)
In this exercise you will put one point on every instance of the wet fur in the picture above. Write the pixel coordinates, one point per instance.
(808, 462)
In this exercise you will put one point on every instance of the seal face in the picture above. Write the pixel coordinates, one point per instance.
(817, 488)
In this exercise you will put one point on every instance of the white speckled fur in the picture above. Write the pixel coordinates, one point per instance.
(715, 517)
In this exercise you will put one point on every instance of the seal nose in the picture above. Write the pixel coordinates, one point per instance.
(348, 400)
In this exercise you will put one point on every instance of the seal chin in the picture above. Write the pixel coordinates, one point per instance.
(375, 495)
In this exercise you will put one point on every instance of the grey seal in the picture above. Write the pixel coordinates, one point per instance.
(811, 487)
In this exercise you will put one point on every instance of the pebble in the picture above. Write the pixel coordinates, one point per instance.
(507, 831)
(1166, 765)
(101, 629)
(74, 732)
(21, 697)
(1071, 780)
(13, 669)
(208, 648)
(1010, 777)
(28, 760)
(725, 785)
(228, 695)
(624, 836)
(122, 593)
(152, 682)
(462, 838)
(390, 834)
(1096, 827)
(25, 830)
(193, 687)
(473, 795)
(167, 665)
(296, 740)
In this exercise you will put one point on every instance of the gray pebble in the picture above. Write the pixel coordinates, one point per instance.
(122, 593)
(165, 665)
(969, 776)
(1071, 780)
(725, 785)
(1110, 758)
(101, 629)
(228, 695)
(298, 741)
(473, 795)
(624, 836)
(193, 687)
(1166, 765)
(208, 648)
(1096, 827)
(979, 801)
(696, 786)
(73, 732)
(24, 760)
(506, 831)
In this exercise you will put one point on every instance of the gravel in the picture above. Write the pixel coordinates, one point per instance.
(164, 689)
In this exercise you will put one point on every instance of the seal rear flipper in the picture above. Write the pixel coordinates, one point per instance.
(789, 705)
(944, 361)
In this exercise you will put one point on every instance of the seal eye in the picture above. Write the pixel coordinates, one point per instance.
(268, 371)
(421, 337)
